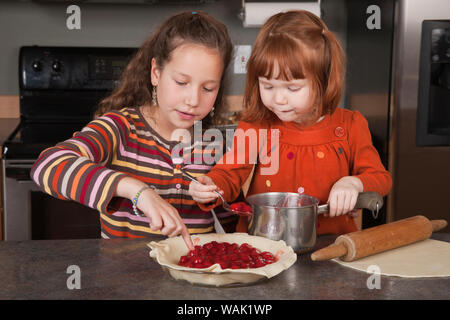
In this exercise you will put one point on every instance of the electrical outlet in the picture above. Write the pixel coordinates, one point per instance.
(242, 54)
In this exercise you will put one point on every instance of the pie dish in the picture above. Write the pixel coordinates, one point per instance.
(168, 252)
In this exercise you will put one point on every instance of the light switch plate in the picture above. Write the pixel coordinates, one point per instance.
(241, 56)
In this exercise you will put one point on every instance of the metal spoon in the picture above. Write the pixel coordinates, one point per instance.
(217, 224)
(225, 205)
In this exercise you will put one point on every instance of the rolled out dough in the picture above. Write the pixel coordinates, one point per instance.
(427, 258)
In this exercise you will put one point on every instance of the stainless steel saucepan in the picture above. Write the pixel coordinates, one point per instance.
(292, 217)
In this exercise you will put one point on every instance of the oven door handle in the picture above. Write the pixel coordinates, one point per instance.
(20, 165)
(25, 181)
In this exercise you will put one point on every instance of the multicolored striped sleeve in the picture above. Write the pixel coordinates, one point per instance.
(75, 169)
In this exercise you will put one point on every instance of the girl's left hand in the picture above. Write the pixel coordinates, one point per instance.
(343, 195)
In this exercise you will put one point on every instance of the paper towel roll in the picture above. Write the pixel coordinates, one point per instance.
(256, 13)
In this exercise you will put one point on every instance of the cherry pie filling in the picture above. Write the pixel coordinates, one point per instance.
(227, 255)
(241, 207)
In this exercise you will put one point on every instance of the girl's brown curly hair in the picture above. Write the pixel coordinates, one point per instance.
(135, 87)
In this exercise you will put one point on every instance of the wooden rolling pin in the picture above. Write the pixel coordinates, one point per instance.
(360, 244)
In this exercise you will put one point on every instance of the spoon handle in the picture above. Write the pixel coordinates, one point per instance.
(194, 179)
(217, 224)
(188, 175)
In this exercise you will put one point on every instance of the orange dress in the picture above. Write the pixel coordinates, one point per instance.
(310, 160)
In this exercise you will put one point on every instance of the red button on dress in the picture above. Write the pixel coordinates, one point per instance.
(339, 132)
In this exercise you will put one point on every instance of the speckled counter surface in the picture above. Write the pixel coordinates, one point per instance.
(122, 269)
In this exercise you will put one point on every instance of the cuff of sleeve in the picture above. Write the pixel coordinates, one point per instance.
(210, 206)
(219, 183)
(364, 182)
(371, 185)
(108, 192)
(222, 184)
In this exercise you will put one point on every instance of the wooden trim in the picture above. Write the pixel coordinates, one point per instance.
(9, 106)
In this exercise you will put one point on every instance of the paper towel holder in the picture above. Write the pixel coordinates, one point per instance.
(253, 14)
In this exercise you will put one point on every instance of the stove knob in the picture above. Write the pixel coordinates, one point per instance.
(56, 66)
(36, 66)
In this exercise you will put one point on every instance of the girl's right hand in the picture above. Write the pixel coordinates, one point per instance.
(203, 192)
(163, 216)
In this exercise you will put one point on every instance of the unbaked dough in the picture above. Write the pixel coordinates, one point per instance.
(427, 258)
(167, 253)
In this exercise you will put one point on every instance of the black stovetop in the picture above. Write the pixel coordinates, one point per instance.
(28, 140)
(60, 88)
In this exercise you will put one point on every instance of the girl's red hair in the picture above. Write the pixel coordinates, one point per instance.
(303, 47)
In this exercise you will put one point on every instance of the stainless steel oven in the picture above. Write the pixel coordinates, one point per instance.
(17, 187)
(60, 88)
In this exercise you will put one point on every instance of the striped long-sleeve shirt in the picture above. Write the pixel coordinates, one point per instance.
(87, 168)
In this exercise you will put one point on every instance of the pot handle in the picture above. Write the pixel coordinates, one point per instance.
(366, 200)
(369, 200)
(324, 208)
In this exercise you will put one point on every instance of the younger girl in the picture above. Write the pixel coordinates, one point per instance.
(122, 163)
(294, 83)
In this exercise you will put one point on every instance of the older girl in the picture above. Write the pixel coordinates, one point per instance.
(122, 163)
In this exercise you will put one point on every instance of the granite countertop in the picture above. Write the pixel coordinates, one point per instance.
(122, 269)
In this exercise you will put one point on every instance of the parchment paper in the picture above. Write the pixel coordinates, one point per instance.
(427, 258)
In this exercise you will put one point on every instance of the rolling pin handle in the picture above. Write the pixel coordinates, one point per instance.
(330, 252)
(438, 224)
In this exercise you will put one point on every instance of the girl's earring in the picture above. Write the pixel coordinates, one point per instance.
(211, 113)
(154, 100)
